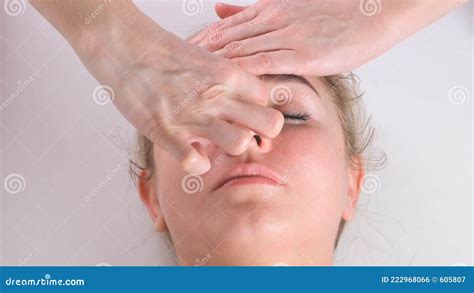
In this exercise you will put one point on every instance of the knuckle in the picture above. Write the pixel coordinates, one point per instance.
(214, 28)
(230, 76)
(233, 47)
(215, 39)
(214, 92)
(264, 60)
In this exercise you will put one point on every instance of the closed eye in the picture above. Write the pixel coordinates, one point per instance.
(296, 117)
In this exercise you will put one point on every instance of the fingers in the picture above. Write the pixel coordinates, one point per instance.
(235, 33)
(233, 139)
(246, 15)
(274, 62)
(262, 120)
(215, 29)
(249, 88)
(189, 158)
(267, 42)
(224, 10)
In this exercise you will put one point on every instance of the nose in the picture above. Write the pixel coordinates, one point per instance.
(260, 144)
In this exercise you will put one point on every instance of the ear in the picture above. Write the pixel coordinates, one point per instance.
(225, 10)
(356, 175)
(148, 195)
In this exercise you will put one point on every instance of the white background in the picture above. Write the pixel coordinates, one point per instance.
(64, 145)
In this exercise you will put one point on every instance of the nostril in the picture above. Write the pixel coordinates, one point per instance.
(258, 139)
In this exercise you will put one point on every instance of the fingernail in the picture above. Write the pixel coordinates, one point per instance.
(200, 167)
(193, 163)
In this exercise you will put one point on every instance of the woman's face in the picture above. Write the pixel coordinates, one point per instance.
(290, 215)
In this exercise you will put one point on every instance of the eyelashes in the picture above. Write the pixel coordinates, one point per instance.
(296, 117)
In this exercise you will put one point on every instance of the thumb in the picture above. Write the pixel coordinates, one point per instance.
(224, 10)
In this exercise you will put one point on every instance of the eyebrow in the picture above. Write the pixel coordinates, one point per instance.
(295, 78)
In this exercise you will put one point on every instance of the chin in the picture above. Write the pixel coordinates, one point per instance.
(249, 228)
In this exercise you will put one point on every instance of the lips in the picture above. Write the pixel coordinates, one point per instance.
(253, 173)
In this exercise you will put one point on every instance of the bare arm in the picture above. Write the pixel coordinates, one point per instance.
(153, 76)
(316, 37)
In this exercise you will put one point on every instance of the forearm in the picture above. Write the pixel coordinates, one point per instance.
(402, 18)
(90, 25)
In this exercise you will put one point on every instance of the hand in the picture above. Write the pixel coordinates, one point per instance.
(308, 37)
(171, 90)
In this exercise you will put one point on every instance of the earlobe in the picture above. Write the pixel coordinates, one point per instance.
(149, 197)
(160, 224)
(356, 177)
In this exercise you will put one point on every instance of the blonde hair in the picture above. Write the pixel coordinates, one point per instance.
(357, 128)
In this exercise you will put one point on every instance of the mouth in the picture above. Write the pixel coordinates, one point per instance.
(244, 174)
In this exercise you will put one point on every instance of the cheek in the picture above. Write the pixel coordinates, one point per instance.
(319, 181)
